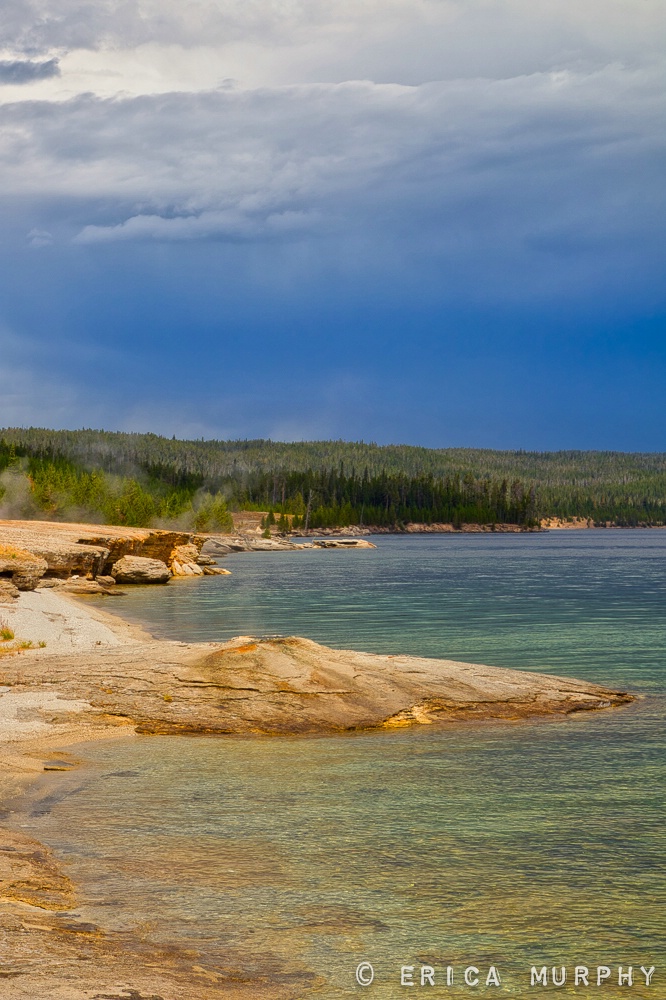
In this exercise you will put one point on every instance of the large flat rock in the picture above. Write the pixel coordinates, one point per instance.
(294, 685)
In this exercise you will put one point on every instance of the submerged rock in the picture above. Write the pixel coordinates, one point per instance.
(82, 586)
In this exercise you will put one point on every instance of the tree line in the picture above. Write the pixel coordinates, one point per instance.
(58, 489)
(331, 498)
(147, 479)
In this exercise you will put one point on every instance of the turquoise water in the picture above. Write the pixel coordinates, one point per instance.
(588, 603)
(501, 844)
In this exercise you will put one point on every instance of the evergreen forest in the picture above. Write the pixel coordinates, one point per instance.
(148, 480)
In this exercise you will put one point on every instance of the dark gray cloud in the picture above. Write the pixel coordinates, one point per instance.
(13, 71)
(540, 182)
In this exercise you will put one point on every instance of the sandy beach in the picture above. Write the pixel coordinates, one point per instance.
(96, 677)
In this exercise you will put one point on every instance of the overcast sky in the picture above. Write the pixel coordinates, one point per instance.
(424, 221)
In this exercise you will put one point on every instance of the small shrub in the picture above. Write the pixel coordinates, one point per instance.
(6, 633)
(41, 644)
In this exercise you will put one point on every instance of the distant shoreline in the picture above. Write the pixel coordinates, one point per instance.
(197, 485)
(468, 529)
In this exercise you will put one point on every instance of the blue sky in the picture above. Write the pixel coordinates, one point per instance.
(425, 221)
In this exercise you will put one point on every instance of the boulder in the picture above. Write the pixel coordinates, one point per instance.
(204, 560)
(185, 569)
(138, 569)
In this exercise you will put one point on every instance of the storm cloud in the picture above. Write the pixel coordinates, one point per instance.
(428, 159)
(27, 70)
(545, 176)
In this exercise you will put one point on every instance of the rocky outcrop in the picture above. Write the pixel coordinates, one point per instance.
(184, 561)
(270, 544)
(250, 686)
(60, 549)
(23, 569)
(137, 569)
(188, 561)
(30, 874)
(551, 523)
(222, 545)
(90, 550)
(148, 543)
(342, 543)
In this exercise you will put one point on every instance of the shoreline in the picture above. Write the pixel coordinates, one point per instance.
(100, 677)
(41, 934)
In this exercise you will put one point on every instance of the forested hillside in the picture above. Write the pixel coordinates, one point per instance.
(142, 479)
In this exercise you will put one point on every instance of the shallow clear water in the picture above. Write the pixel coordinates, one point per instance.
(590, 603)
(504, 844)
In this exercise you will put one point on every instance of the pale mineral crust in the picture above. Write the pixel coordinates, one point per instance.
(293, 685)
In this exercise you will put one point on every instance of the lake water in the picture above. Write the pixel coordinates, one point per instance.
(500, 844)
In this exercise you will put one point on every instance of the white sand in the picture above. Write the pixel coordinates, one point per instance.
(34, 723)
(63, 624)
